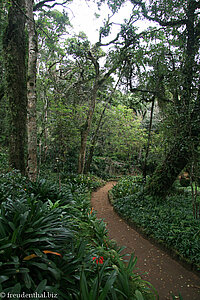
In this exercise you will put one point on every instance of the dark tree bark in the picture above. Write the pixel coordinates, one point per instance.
(148, 141)
(179, 156)
(15, 58)
(86, 129)
(165, 175)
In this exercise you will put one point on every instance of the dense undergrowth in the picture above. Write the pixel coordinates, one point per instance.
(170, 222)
(52, 242)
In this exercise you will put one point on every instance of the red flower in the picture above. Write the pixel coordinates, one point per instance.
(98, 260)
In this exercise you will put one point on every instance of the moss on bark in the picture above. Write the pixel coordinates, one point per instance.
(15, 63)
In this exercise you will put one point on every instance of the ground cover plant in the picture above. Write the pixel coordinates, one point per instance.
(170, 222)
(52, 242)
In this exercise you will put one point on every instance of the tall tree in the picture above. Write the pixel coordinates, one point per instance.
(180, 23)
(188, 102)
(31, 92)
(86, 126)
(90, 77)
(114, 61)
(31, 80)
(95, 135)
(14, 44)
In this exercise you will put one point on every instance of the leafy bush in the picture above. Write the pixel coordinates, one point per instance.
(4, 166)
(44, 190)
(127, 185)
(90, 181)
(31, 238)
(110, 167)
(51, 240)
(12, 185)
(170, 222)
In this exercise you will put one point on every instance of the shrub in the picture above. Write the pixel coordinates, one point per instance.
(12, 185)
(32, 239)
(90, 181)
(170, 222)
(127, 185)
(50, 240)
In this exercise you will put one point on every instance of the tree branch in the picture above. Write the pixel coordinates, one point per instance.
(142, 90)
(99, 44)
(43, 3)
(197, 4)
(94, 61)
(155, 93)
(170, 23)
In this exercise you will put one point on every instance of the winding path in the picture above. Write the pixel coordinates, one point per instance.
(166, 274)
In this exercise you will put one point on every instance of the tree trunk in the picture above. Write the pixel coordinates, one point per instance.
(177, 159)
(189, 120)
(148, 141)
(31, 93)
(95, 136)
(94, 139)
(86, 129)
(90, 156)
(165, 175)
(15, 56)
(82, 152)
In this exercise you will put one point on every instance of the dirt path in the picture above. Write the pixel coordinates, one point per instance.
(167, 275)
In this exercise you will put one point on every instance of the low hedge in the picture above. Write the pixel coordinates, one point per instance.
(169, 222)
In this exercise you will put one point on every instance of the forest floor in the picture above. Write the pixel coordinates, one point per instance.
(166, 274)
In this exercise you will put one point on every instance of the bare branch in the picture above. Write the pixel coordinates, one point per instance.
(142, 90)
(44, 3)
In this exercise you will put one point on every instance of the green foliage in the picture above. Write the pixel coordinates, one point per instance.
(51, 25)
(107, 168)
(50, 240)
(4, 161)
(78, 46)
(171, 222)
(12, 185)
(90, 181)
(128, 185)
(123, 141)
(28, 228)
(102, 283)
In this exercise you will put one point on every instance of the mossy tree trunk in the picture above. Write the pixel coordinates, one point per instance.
(179, 156)
(165, 175)
(15, 63)
(188, 107)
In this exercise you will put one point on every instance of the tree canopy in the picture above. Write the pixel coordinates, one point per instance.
(96, 99)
